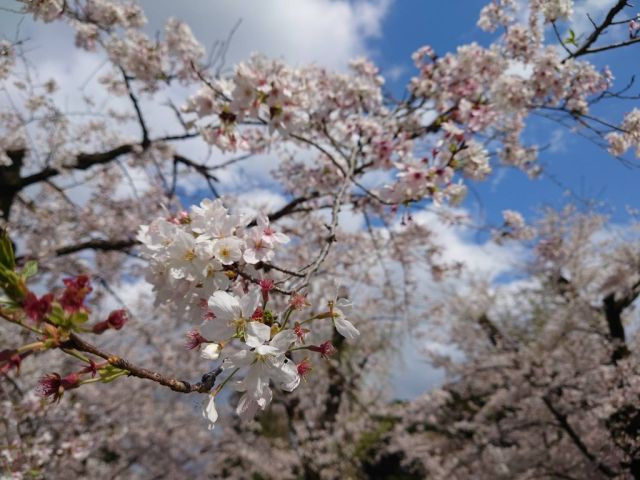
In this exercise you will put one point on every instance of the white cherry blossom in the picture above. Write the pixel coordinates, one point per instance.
(230, 313)
(267, 362)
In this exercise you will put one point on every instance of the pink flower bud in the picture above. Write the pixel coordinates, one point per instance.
(194, 339)
(300, 332)
(266, 285)
(298, 301)
(304, 368)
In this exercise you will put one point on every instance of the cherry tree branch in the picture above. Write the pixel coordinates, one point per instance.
(134, 100)
(181, 386)
(598, 30)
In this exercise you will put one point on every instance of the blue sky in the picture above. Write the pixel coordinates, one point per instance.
(574, 168)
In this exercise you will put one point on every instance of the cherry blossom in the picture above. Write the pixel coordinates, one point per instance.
(265, 357)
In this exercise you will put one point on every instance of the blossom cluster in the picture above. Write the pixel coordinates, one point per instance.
(265, 344)
(462, 98)
(290, 101)
(628, 135)
(194, 259)
(196, 253)
(483, 94)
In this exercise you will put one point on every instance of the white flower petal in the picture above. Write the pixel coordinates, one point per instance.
(256, 334)
(283, 340)
(284, 374)
(224, 306)
(249, 303)
(345, 328)
(209, 412)
(211, 351)
(243, 358)
(247, 408)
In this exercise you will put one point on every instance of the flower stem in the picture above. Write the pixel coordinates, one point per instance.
(221, 386)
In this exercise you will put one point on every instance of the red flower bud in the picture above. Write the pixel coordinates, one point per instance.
(257, 315)
(100, 327)
(37, 308)
(92, 368)
(52, 385)
(325, 349)
(49, 386)
(10, 359)
(73, 297)
(117, 319)
(266, 285)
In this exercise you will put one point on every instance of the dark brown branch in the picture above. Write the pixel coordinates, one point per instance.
(495, 336)
(597, 31)
(134, 100)
(102, 245)
(83, 161)
(97, 244)
(555, 30)
(288, 208)
(613, 309)
(202, 169)
(181, 386)
(612, 46)
(9, 178)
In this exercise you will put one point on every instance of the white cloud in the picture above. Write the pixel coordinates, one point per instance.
(327, 32)
(485, 260)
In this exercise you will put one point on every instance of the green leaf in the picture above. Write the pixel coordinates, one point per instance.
(57, 316)
(11, 283)
(30, 269)
(7, 258)
(78, 318)
(571, 39)
(110, 373)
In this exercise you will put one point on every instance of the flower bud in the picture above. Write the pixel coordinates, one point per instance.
(211, 351)
(266, 285)
(194, 339)
(117, 319)
(37, 308)
(325, 349)
(73, 297)
(304, 368)
(54, 386)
